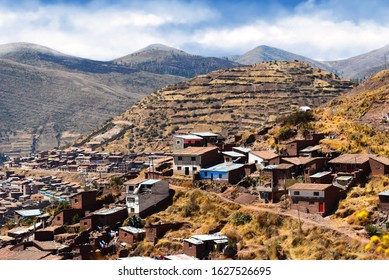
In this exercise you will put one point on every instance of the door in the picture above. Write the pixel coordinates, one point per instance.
(321, 207)
(186, 171)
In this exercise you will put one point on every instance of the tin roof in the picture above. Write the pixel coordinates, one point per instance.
(133, 230)
(188, 137)
(232, 154)
(303, 186)
(242, 149)
(384, 193)
(320, 174)
(381, 159)
(208, 237)
(223, 167)
(150, 182)
(351, 158)
(109, 211)
(205, 134)
(265, 154)
(28, 213)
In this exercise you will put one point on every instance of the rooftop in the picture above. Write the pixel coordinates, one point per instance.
(320, 174)
(208, 237)
(282, 166)
(28, 213)
(194, 151)
(232, 154)
(188, 137)
(311, 149)
(150, 182)
(223, 167)
(303, 186)
(242, 149)
(265, 154)
(381, 159)
(384, 193)
(352, 158)
(205, 134)
(133, 230)
(298, 160)
(109, 211)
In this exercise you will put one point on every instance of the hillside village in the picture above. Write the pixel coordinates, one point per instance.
(121, 205)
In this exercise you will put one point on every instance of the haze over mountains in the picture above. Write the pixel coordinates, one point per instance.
(49, 98)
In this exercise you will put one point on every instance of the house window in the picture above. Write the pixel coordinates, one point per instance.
(194, 168)
(311, 203)
(85, 223)
(205, 174)
(179, 158)
(296, 193)
(190, 245)
(193, 158)
(125, 234)
(295, 202)
(179, 168)
(256, 161)
(315, 193)
(220, 176)
(58, 218)
(76, 200)
(178, 141)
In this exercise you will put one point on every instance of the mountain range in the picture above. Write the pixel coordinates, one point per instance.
(49, 98)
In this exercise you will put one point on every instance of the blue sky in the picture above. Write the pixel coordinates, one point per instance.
(108, 29)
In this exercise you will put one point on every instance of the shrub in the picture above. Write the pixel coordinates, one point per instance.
(371, 230)
(240, 219)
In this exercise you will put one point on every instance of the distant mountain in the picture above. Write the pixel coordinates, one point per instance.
(265, 53)
(161, 59)
(361, 66)
(228, 101)
(50, 99)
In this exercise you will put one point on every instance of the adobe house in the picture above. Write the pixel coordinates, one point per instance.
(379, 165)
(230, 156)
(263, 158)
(181, 142)
(349, 163)
(307, 165)
(322, 199)
(144, 195)
(67, 216)
(324, 177)
(48, 233)
(295, 146)
(130, 235)
(224, 172)
(199, 246)
(189, 161)
(311, 151)
(105, 217)
(157, 231)
(84, 200)
(383, 200)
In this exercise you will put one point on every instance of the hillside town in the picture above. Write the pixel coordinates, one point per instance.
(100, 216)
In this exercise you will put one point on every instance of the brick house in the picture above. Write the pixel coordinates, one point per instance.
(84, 200)
(199, 246)
(322, 199)
(295, 146)
(157, 231)
(324, 177)
(307, 165)
(67, 216)
(349, 163)
(48, 233)
(189, 161)
(130, 235)
(144, 195)
(105, 217)
(379, 165)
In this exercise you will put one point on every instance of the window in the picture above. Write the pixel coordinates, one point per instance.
(179, 158)
(256, 161)
(178, 141)
(85, 223)
(76, 200)
(205, 174)
(179, 168)
(194, 168)
(311, 203)
(296, 193)
(315, 193)
(220, 176)
(58, 218)
(193, 158)
(190, 245)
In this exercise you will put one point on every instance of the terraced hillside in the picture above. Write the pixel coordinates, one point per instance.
(226, 101)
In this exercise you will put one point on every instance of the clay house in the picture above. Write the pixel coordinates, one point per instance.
(322, 199)
(199, 246)
(189, 161)
(105, 217)
(85, 200)
(26, 214)
(67, 217)
(349, 163)
(274, 186)
(294, 147)
(324, 177)
(157, 231)
(224, 172)
(306, 165)
(145, 195)
(379, 165)
(48, 233)
(383, 200)
(181, 142)
(234, 157)
(131, 235)
(263, 158)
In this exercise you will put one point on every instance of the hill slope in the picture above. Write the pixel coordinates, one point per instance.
(358, 119)
(49, 98)
(225, 101)
(162, 59)
(359, 67)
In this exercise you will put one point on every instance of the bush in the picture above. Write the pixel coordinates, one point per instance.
(241, 219)
(371, 230)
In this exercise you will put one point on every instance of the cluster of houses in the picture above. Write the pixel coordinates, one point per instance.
(78, 160)
(312, 181)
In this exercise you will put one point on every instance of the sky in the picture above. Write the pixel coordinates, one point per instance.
(108, 29)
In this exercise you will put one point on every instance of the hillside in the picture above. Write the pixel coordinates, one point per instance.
(361, 66)
(266, 53)
(50, 99)
(227, 101)
(358, 120)
(162, 59)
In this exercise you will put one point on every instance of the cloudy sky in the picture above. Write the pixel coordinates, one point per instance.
(108, 29)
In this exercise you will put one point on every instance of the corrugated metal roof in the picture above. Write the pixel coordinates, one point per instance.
(384, 193)
(223, 167)
(233, 154)
(320, 174)
(150, 182)
(188, 137)
(205, 134)
(133, 229)
(28, 213)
